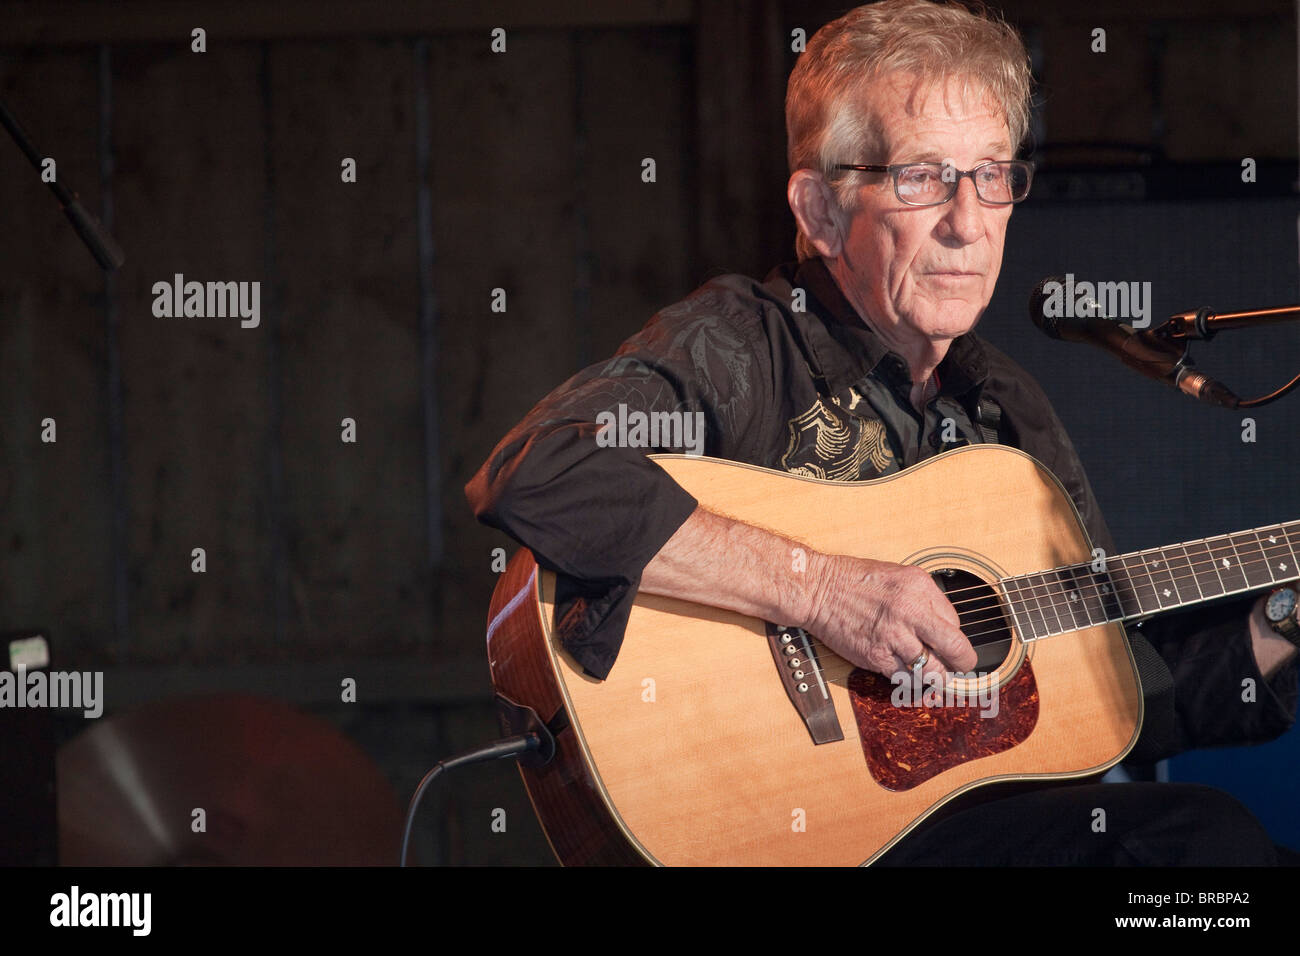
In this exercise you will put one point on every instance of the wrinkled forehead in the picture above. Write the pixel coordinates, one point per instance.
(892, 106)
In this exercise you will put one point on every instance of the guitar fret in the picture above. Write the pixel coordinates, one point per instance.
(1125, 591)
(1093, 607)
(1073, 599)
(1293, 566)
(1228, 564)
(1060, 600)
(1034, 603)
(1148, 589)
(1107, 595)
(1051, 620)
(1065, 609)
(1164, 593)
(1184, 574)
(1179, 576)
(1254, 564)
(1277, 554)
(1142, 583)
(1218, 563)
(1207, 572)
(1020, 610)
(1290, 545)
(1042, 608)
(1261, 569)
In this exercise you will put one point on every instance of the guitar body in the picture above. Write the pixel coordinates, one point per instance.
(692, 752)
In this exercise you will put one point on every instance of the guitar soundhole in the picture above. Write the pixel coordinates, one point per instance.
(981, 613)
(907, 741)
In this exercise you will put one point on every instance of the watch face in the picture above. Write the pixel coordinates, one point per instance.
(1281, 605)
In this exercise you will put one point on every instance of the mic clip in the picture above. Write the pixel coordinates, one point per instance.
(1187, 325)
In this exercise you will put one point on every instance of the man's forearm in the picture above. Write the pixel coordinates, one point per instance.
(715, 560)
(875, 614)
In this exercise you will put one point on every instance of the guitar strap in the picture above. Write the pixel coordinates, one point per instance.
(988, 419)
(820, 384)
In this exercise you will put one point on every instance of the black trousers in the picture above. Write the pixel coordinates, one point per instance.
(1140, 824)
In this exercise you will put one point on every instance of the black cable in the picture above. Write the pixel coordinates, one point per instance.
(507, 747)
(1264, 400)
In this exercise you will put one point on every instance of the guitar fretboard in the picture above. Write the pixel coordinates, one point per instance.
(1159, 579)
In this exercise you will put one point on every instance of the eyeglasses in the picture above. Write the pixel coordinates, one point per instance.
(933, 184)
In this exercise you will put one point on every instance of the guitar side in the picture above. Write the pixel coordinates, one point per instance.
(565, 793)
(691, 753)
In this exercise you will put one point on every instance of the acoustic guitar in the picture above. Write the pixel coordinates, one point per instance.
(721, 739)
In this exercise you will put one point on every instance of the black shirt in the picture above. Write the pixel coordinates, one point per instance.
(786, 375)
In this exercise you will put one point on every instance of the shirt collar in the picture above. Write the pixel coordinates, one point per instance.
(847, 349)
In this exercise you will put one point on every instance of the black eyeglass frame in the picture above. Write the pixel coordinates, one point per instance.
(895, 169)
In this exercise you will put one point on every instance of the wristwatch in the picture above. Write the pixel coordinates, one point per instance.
(1280, 612)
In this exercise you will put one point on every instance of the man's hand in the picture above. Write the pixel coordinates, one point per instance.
(1272, 650)
(883, 616)
(874, 614)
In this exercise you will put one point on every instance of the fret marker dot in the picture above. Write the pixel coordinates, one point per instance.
(1281, 567)
(1227, 563)
(1166, 592)
(1272, 539)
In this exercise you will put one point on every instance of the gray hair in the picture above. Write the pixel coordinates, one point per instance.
(931, 41)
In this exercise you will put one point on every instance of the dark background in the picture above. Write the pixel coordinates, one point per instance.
(522, 171)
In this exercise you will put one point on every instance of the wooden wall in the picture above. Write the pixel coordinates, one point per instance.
(475, 171)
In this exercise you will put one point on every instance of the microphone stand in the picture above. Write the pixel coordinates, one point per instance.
(1203, 324)
(103, 246)
(28, 825)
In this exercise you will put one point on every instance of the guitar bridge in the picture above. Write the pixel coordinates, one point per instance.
(801, 676)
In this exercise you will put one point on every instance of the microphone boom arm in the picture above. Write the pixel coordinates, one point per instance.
(1204, 323)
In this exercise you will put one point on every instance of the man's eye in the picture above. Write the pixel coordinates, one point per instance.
(921, 177)
(992, 174)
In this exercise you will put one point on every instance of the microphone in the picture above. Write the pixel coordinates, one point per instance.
(1083, 320)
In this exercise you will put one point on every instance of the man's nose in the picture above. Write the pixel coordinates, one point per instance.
(965, 214)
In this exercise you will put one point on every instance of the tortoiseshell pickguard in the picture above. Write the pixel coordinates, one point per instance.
(906, 746)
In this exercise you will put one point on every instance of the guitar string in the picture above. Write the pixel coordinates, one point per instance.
(830, 672)
(1026, 590)
(1018, 602)
(1044, 601)
(1029, 599)
(1122, 560)
(1000, 618)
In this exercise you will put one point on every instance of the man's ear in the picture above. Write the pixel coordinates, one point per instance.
(813, 203)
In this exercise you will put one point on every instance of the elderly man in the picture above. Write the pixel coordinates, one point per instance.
(903, 118)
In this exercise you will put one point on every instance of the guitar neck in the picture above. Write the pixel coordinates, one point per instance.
(1142, 583)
